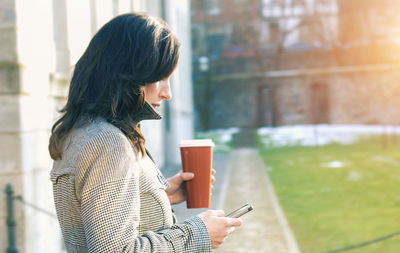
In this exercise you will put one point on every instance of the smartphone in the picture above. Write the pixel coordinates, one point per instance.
(240, 211)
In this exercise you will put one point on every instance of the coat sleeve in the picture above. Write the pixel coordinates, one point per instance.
(108, 188)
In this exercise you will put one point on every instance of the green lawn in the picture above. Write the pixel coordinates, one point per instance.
(338, 195)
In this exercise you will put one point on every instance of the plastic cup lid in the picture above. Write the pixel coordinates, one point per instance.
(197, 143)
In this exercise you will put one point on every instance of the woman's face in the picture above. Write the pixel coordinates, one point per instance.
(155, 93)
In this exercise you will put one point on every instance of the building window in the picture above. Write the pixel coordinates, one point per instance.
(243, 6)
(272, 8)
(213, 7)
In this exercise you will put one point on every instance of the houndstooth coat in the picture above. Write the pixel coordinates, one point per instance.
(110, 199)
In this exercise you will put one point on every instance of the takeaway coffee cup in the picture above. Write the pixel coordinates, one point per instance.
(197, 157)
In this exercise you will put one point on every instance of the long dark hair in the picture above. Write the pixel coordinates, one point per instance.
(128, 52)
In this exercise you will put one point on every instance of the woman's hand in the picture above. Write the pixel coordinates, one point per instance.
(176, 192)
(218, 226)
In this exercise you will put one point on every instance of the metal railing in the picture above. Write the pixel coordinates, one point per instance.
(11, 223)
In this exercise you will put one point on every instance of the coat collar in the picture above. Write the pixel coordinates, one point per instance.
(147, 112)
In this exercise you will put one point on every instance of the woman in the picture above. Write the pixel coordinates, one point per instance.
(109, 195)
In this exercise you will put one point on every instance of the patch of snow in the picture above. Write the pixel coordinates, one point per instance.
(222, 135)
(354, 176)
(333, 164)
(325, 189)
(316, 135)
(384, 159)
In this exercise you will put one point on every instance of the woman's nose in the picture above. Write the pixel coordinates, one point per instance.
(165, 92)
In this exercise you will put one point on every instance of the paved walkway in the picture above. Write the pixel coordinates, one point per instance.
(241, 178)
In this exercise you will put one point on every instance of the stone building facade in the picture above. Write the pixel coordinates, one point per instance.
(279, 62)
(347, 95)
(40, 42)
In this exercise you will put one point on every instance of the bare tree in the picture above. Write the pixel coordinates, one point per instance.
(284, 18)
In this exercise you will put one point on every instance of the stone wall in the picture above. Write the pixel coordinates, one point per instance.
(231, 104)
(10, 137)
(354, 98)
(367, 97)
(40, 42)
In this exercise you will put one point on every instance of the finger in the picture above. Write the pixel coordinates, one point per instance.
(177, 177)
(212, 179)
(185, 176)
(213, 172)
(219, 213)
(231, 230)
(235, 222)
